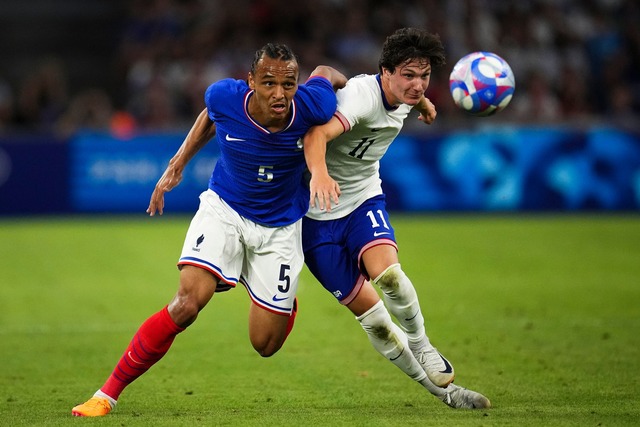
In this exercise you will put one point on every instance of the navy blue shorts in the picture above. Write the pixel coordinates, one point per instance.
(333, 249)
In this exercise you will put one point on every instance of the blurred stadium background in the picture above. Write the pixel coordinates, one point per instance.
(95, 96)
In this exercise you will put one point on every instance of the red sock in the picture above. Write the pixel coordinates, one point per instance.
(149, 344)
(292, 318)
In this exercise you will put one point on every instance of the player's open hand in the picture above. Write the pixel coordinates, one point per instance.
(167, 182)
(325, 190)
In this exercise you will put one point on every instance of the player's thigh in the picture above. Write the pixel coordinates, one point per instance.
(213, 241)
(370, 232)
(272, 267)
(368, 223)
(328, 258)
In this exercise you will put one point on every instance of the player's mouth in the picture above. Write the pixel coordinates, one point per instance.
(412, 98)
(279, 108)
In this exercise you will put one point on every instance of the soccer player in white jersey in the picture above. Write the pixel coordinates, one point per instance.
(248, 226)
(350, 244)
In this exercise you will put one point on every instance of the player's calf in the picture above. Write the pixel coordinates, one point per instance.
(401, 298)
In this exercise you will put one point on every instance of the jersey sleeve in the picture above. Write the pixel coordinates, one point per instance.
(323, 98)
(215, 94)
(355, 101)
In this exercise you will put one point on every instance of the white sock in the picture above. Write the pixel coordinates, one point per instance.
(111, 400)
(434, 389)
(390, 341)
(402, 301)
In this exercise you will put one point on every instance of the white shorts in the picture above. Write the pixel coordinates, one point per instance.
(266, 260)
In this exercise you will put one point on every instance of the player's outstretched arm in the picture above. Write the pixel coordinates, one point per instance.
(201, 132)
(427, 110)
(322, 186)
(337, 79)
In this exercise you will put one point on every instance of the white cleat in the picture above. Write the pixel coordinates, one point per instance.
(437, 368)
(461, 398)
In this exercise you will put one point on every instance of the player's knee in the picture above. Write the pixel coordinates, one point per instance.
(391, 278)
(184, 307)
(267, 330)
(395, 285)
(266, 346)
(196, 289)
(183, 310)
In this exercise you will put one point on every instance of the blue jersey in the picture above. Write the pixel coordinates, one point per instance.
(260, 173)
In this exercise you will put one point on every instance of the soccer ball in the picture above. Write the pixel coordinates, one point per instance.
(482, 83)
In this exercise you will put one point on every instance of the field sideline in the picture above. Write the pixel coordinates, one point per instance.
(540, 313)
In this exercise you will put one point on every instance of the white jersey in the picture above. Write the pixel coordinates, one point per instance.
(353, 158)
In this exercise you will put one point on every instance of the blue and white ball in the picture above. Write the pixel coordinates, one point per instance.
(482, 83)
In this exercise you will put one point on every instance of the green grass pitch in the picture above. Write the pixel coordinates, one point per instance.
(539, 313)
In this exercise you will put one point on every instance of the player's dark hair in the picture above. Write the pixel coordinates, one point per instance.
(407, 44)
(274, 51)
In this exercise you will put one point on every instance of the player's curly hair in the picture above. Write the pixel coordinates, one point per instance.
(274, 51)
(407, 44)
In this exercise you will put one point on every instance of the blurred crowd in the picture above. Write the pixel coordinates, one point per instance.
(575, 61)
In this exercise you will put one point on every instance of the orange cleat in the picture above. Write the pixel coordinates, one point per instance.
(94, 407)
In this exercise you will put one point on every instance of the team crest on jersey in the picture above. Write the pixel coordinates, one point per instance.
(300, 143)
(198, 243)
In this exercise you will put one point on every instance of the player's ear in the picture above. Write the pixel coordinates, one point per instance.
(250, 81)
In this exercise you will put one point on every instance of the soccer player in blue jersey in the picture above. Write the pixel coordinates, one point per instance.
(248, 226)
(352, 244)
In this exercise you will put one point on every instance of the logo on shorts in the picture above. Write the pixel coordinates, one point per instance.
(380, 233)
(278, 299)
(198, 242)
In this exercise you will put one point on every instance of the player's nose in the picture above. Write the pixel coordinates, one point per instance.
(420, 84)
(278, 93)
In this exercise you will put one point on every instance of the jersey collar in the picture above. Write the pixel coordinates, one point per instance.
(258, 125)
(387, 106)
